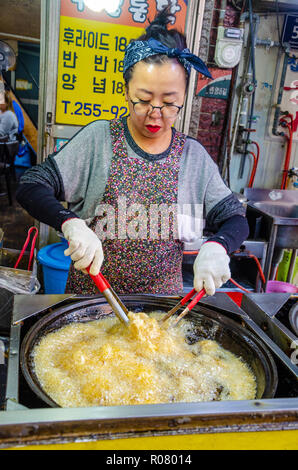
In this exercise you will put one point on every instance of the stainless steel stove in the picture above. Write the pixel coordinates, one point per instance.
(27, 419)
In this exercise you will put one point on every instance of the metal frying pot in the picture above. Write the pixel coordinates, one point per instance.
(208, 325)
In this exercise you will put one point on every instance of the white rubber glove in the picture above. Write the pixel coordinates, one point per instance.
(84, 248)
(211, 267)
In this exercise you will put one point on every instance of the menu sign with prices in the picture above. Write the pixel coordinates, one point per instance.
(90, 83)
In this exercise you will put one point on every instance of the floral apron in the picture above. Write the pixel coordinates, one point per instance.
(149, 264)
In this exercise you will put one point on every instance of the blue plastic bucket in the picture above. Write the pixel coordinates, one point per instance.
(55, 267)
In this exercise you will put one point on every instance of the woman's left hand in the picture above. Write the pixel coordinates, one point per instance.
(211, 267)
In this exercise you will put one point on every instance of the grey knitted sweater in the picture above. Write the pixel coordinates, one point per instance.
(79, 172)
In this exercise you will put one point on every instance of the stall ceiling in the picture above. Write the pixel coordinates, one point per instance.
(20, 17)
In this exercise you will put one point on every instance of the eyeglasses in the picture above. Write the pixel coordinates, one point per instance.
(141, 108)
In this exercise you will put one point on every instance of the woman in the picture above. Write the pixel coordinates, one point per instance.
(123, 178)
(8, 120)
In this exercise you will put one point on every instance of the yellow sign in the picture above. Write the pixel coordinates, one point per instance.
(91, 49)
(90, 81)
(260, 440)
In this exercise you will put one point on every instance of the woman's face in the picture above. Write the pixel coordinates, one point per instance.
(157, 84)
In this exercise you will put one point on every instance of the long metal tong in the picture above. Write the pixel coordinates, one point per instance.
(182, 302)
(112, 298)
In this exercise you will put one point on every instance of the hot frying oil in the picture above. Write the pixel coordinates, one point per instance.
(105, 362)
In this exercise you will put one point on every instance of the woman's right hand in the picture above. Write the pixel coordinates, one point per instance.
(85, 248)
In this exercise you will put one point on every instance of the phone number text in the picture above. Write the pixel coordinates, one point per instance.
(92, 109)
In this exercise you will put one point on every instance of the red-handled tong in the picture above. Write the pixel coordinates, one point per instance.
(31, 229)
(104, 287)
(182, 302)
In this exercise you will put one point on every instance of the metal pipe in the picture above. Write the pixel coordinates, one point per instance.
(237, 117)
(260, 42)
(279, 97)
(225, 155)
(251, 69)
(243, 17)
(252, 40)
(253, 171)
(267, 43)
(19, 37)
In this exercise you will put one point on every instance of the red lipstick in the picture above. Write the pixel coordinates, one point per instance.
(153, 129)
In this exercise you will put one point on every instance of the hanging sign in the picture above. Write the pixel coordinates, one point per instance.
(218, 87)
(290, 31)
(90, 83)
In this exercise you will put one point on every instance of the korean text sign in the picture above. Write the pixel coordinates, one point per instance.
(90, 83)
(218, 87)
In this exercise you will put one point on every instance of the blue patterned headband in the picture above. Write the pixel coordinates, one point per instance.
(139, 50)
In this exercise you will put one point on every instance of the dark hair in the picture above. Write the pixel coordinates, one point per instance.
(158, 30)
